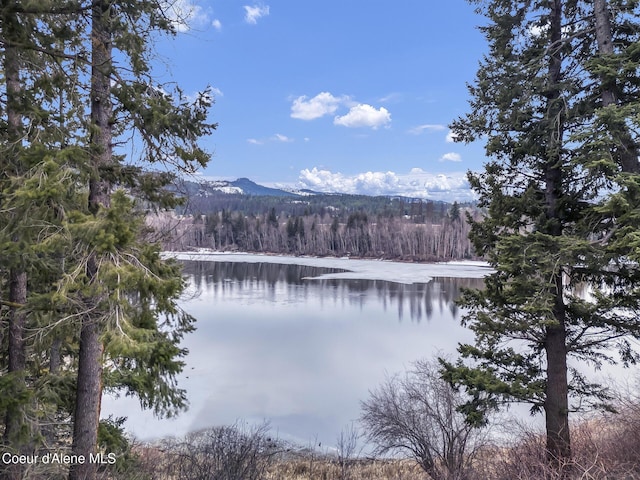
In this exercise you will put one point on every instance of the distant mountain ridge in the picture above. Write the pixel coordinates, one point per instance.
(245, 186)
(242, 186)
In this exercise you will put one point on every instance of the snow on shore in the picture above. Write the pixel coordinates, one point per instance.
(355, 269)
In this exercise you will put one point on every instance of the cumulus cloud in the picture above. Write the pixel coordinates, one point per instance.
(363, 115)
(417, 184)
(325, 103)
(322, 104)
(368, 183)
(255, 12)
(451, 157)
(254, 141)
(426, 128)
(217, 24)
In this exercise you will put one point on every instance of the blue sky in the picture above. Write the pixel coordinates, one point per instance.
(351, 95)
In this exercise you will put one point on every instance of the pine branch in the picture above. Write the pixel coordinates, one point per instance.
(70, 8)
(52, 53)
(7, 303)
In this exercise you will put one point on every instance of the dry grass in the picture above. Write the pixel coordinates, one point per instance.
(327, 469)
(302, 465)
(605, 447)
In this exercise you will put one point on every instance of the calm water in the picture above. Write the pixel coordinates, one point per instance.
(300, 353)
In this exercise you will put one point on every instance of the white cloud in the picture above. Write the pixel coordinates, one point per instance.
(253, 13)
(451, 137)
(393, 97)
(185, 14)
(536, 30)
(371, 183)
(322, 104)
(451, 157)
(426, 127)
(417, 183)
(325, 103)
(217, 92)
(363, 115)
(217, 24)
(277, 137)
(282, 138)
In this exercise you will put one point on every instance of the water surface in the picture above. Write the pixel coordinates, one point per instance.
(272, 344)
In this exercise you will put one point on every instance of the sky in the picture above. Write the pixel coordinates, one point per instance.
(350, 96)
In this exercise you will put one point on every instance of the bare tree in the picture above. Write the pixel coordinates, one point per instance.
(417, 413)
(235, 452)
(346, 446)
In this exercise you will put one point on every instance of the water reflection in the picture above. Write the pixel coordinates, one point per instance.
(273, 344)
(255, 282)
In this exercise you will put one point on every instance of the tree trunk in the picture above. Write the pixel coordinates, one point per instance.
(556, 405)
(88, 398)
(17, 294)
(14, 434)
(15, 415)
(557, 393)
(89, 386)
(627, 151)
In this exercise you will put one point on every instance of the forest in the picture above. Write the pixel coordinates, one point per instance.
(323, 225)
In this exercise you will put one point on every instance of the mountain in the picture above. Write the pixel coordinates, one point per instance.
(244, 186)
(241, 186)
(249, 187)
(207, 196)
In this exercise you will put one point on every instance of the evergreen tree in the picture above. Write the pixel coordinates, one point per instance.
(71, 214)
(454, 212)
(14, 423)
(129, 317)
(33, 169)
(562, 204)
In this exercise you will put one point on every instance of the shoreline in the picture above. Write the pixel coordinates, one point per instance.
(353, 269)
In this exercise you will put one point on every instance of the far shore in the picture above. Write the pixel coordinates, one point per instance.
(353, 269)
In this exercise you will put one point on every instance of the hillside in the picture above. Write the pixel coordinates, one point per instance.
(250, 198)
(244, 216)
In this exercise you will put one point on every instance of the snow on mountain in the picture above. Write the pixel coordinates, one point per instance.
(242, 186)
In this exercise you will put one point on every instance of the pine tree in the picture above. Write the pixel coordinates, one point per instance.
(562, 201)
(14, 423)
(96, 287)
(30, 202)
(128, 290)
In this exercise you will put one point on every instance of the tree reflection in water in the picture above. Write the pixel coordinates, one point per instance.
(295, 283)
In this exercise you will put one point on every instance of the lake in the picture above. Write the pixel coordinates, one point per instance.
(274, 342)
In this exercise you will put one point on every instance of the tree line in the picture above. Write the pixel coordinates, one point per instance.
(339, 233)
(86, 302)
(203, 201)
